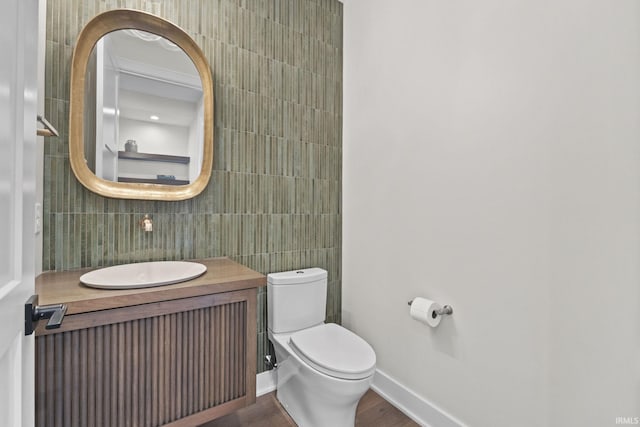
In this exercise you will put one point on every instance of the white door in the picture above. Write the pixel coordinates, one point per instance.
(18, 103)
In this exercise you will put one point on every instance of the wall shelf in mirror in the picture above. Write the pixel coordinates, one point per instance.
(153, 157)
(153, 181)
(149, 172)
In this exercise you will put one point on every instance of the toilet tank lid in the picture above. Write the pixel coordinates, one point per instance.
(297, 276)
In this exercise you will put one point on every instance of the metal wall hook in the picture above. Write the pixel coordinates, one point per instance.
(48, 130)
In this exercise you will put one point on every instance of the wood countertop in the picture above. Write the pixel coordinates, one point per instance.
(222, 275)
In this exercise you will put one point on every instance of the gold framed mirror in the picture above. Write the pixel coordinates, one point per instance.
(129, 70)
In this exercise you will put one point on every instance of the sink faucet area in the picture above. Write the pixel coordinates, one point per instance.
(143, 274)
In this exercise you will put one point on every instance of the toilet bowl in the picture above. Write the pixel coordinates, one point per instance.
(322, 369)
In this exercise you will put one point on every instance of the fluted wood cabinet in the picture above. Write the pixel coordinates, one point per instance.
(160, 361)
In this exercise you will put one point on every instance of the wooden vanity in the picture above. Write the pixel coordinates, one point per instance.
(175, 355)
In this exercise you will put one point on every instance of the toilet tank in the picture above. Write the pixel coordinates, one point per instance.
(296, 299)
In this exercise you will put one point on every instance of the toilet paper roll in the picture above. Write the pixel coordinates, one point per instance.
(425, 311)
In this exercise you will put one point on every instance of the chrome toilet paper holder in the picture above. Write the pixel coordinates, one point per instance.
(445, 310)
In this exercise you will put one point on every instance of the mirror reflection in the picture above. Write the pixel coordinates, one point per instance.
(144, 110)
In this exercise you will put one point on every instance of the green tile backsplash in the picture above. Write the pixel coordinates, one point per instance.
(274, 199)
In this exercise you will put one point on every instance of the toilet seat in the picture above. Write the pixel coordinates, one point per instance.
(335, 351)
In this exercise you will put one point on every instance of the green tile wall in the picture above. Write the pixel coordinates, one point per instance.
(274, 199)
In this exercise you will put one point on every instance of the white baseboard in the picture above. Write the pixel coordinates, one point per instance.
(415, 407)
(265, 382)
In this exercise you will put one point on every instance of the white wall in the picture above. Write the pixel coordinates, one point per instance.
(155, 138)
(492, 162)
(107, 77)
(196, 141)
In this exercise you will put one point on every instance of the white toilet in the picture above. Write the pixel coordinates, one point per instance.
(322, 369)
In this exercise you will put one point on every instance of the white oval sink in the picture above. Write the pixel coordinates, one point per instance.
(143, 274)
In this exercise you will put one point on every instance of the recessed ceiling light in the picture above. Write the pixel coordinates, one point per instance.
(154, 117)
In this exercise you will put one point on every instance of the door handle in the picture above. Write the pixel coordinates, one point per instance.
(34, 312)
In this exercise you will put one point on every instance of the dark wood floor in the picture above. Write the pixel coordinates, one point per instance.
(373, 411)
